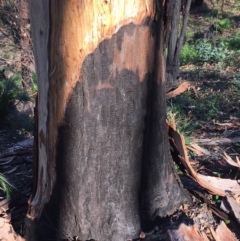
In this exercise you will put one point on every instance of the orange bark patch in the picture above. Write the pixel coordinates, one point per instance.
(133, 54)
(179, 90)
(77, 29)
(185, 232)
(101, 86)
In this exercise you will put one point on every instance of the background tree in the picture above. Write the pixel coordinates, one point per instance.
(103, 166)
(175, 35)
(27, 62)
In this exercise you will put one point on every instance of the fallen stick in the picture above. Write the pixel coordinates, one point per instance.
(217, 141)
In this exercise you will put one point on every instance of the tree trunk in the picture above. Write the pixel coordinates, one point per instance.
(27, 66)
(104, 170)
(175, 36)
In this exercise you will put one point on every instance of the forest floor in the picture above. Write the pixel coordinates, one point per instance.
(207, 114)
(16, 126)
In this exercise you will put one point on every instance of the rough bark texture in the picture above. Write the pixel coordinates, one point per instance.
(175, 35)
(27, 65)
(102, 131)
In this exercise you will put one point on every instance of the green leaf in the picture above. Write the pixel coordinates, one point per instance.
(227, 221)
(5, 185)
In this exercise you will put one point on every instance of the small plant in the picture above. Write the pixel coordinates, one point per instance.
(189, 54)
(177, 169)
(183, 124)
(189, 34)
(218, 174)
(236, 79)
(224, 23)
(234, 42)
(210, 52)
(5, 185)
(217, 199)
(10, 92)
(227, 221)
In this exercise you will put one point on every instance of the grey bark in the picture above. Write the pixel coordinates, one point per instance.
(175, 36)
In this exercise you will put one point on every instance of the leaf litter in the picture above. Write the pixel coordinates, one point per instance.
(208, 165)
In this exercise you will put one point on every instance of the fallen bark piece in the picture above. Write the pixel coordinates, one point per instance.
(224, 124)
(7, 233)
(231, 133)
(179, 90)
(195, 92)
(234, 206)
(230, 161)
(19, 148)
(4, 203)
(199, 151)
(216, 185)
(223, 233)
(217, 141)
(187, 233)
(225, 206)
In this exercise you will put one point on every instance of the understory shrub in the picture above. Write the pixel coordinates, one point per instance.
(189, 54)
(211, 52)
(204, 51)
(11, 93)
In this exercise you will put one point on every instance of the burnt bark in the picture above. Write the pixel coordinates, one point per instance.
(108, 172)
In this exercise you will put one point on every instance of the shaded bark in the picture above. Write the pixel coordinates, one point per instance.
(27, 65)
(104, 169)
(175, 34)
(197, 2)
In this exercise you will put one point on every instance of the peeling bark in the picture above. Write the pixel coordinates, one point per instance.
(40, 24)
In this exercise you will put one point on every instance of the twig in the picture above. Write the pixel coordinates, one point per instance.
(219, 141)
(6, 35)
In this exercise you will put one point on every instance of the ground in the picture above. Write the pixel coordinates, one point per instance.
(208, 112)
(212, 109)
